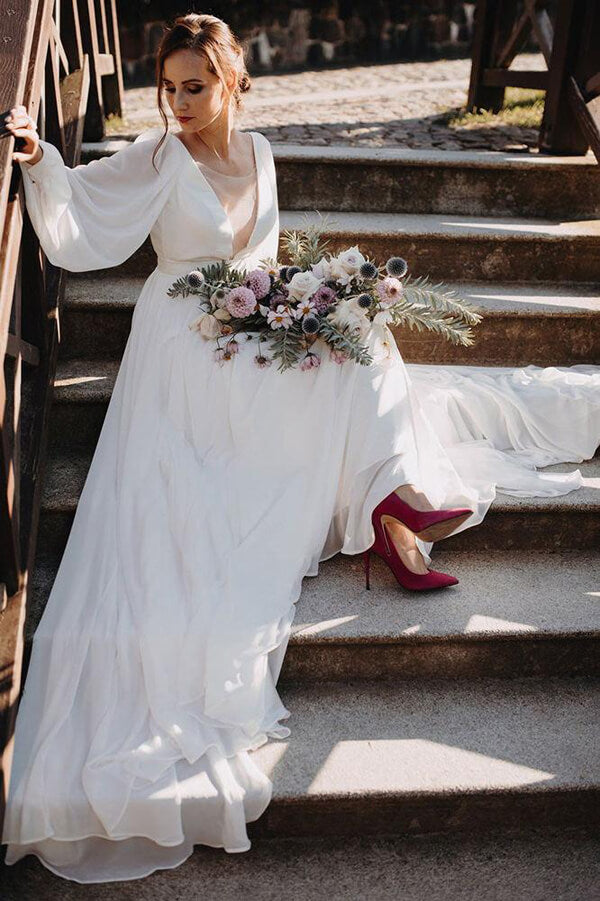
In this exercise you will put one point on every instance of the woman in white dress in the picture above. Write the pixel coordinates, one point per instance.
(215, 489)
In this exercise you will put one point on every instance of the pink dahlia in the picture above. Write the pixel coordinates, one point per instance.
(390, 291)
(241, 302)
(323, 297)
(259, 283)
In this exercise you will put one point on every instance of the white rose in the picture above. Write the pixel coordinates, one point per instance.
(351, 260)
(345, 315)
(302, 285)
(341, 275)
(322, 269)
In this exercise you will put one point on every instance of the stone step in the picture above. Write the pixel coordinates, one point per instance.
(512, 614)
(465, 248)
(447, 247)
(435, 756)
(539, 523)
(398, 180)
(523, 323)
(563, 865)
(393, 180)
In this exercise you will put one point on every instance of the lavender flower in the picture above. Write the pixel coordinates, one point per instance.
(323, 297)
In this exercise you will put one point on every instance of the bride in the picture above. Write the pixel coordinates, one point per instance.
(215, 489)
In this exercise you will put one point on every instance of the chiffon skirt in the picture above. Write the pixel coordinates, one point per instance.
(214, 490)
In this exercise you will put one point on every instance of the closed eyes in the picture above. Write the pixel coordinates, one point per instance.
(191, 90)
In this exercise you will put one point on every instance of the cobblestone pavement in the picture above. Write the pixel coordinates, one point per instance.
(398, 104)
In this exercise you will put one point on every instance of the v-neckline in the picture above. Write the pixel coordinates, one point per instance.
(226, 219)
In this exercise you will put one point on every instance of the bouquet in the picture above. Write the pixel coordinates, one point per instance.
(317, 297)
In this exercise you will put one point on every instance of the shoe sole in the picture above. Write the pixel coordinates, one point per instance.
(442, 529)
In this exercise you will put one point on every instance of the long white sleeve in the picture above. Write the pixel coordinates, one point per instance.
(96, 215)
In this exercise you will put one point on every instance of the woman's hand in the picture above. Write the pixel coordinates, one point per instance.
(20, 123)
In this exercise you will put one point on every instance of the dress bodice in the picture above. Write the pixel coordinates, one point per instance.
(237, 195)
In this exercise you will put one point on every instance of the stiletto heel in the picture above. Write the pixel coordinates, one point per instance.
(405, 576)
(428, 525)
(367, 563)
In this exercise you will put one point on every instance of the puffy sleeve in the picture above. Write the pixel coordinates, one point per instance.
(97, 214)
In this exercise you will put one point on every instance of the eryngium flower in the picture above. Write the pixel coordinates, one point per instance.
(195, 279)
(291, 271)
(310, 325)
(396, 266)
(364, 301)
(368, 270)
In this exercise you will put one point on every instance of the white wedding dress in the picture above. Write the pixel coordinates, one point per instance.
(213, 491)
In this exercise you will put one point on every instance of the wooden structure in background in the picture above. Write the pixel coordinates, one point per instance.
(52, 64)
(571, 48)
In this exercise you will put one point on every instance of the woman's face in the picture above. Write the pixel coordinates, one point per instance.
(195, 94)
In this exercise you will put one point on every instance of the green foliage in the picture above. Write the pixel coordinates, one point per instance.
(345, 340)
(427, 306)
(304, 248)
(287, 345)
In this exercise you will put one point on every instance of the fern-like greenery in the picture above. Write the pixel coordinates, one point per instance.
(287, 344)
(430, 306)
(344, 339)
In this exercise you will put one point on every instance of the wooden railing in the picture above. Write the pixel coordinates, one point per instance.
(568, 34)
(52, 64)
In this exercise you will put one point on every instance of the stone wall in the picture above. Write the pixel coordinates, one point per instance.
(297, 35)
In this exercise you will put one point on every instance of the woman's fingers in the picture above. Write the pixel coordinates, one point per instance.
(21, 125)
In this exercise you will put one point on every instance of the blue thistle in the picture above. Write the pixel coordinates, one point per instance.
(364, 301)
(396, 266)
(368, 270)
(310, 325)
(195, 279)
(283, 273)
(291, 271)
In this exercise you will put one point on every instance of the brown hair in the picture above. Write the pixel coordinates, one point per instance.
(213, 37)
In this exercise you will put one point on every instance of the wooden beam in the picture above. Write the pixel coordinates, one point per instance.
(17, 347)
(515, 78)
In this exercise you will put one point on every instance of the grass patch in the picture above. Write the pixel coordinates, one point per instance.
(522, 107)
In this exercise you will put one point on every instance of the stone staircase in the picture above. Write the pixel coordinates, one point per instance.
(452, 727)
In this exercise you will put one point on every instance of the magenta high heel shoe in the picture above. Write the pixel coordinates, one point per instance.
(405, 576)
(429, 525)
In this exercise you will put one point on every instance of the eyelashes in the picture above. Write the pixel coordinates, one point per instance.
(191, 90)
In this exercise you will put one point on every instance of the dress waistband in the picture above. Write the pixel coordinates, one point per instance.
(182, 267)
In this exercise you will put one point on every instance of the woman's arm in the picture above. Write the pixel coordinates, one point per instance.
(96, 215)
